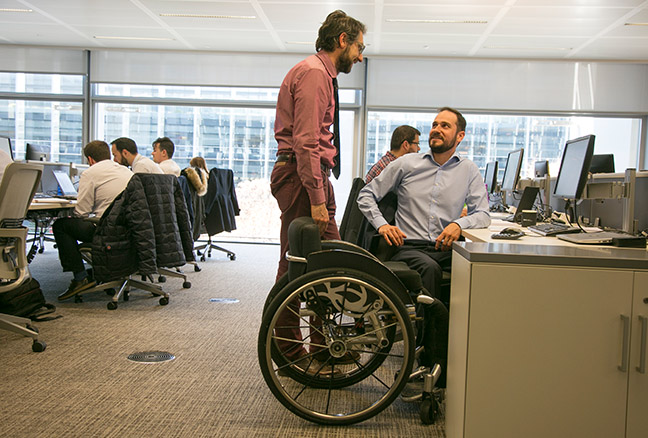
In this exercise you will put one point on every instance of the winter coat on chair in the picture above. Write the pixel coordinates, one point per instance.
(221, 204)
(146, 226)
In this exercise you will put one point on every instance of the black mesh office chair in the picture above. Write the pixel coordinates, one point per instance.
(17, 190)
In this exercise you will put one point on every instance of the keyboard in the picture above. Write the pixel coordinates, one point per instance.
(551, 229)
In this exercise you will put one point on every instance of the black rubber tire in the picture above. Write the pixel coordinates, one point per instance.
(186, 284)
(112, 305)
(38, 346)
(429, 410)
(164, 301)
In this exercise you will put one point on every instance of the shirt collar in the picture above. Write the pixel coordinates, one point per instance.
(455, 158)
(328, 64)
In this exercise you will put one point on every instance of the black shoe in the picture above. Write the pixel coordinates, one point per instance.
(76, 287)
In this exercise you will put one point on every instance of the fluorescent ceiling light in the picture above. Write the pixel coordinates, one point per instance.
(526, 48)
(636, 24)
(15, 10)
(405, 20)
(132, 38)
(226, 17)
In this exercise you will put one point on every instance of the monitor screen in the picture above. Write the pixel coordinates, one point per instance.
(35, 153)
(574, 166)
(5, 145)
(541, 168)
(602, 163)
(512, 170)
(490, 176)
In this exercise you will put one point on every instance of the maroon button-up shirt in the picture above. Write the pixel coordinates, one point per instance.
(305, 111)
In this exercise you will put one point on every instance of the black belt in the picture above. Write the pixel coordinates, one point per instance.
(290, 158)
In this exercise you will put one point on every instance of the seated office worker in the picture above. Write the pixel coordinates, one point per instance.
(404, 140)
(99, 185)
(163, 149)
(124, 151)
(307, 150)
(432, 189)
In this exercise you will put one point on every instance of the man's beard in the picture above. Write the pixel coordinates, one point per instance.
(344, 62)
(124, 162)
(443, 147)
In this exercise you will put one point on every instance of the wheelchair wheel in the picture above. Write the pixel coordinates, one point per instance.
(341, 315)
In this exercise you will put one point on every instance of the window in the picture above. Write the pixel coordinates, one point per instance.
(492, 137)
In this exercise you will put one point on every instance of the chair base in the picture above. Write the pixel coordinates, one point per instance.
(22, 326)
(123, 288)
(208, 246)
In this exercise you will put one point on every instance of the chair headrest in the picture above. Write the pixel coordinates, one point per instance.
(303, 237)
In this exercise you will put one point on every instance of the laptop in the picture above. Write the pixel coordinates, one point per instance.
(599, 238)
(526, 203)
(65, 184)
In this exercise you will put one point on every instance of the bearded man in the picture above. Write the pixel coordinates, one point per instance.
(432, 189)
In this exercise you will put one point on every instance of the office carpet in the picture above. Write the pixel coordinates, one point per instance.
(82, 385)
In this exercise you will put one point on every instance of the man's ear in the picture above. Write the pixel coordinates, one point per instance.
(460, 136)
(343, 40)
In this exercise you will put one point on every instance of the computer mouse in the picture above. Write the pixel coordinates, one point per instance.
(508, 233)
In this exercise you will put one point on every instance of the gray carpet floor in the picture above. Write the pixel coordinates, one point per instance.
(82, 385)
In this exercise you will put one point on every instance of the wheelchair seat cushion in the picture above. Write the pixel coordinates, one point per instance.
(408, 276)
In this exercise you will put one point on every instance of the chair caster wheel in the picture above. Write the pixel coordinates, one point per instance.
(39, 346)
(32, 328)
(161, 279)
(112, 305)
(202, 258)
(429, 410)
(41, 250)
(232, 257)
(126, 296)
(110, 292)
(78, 299)
(164, 301)
(197, 268)
(186, 284)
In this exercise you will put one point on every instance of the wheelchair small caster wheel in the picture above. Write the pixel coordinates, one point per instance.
(112, 305)
(186, 284)
(429, 410)
(164, 301)
(197, 268)
(78, 299)
(232, 257)
(39, 346)
(161, 279)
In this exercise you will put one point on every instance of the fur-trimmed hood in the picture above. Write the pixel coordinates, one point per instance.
(198, 179)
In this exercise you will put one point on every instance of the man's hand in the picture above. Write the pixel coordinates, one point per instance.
(393, 235)
(450, 234)
(320, 215)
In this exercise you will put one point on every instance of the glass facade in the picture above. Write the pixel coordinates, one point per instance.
(492, 137)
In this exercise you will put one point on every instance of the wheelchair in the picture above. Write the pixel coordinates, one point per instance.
(337, 340)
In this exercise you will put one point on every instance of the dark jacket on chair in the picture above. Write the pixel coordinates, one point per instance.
(146, 226)
(221, 204)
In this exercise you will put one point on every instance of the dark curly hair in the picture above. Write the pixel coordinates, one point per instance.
(335, 24)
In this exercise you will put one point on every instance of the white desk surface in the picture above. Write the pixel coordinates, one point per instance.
(531, 238)
(51, 204)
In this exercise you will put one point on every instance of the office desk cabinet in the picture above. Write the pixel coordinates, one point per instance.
(547, 342)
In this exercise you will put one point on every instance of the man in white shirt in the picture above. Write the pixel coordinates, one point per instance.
(163, 149)
(99, 185)
(124, 151)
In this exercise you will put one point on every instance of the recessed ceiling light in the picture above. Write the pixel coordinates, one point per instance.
(132, 38)
(636, 24)
(15, 10)
(226, 17)
(526, 48)
(405, 20)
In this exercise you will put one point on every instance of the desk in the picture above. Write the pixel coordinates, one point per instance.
(546, 341)
(44, 211)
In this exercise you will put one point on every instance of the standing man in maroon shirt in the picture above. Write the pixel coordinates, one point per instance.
(306, 147)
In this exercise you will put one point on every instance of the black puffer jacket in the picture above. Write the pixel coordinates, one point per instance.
(146, 226)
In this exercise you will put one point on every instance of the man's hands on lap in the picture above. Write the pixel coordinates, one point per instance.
(392, 234)
(450, 234)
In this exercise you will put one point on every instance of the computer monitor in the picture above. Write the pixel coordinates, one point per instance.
(490, 176)
(603, 163)
(541, 168)
(35, 153)
(5, 145)
(512, 170)
(575, 164)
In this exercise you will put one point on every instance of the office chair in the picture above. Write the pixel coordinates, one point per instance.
(362, 309)
(145, 228)
(14, 203)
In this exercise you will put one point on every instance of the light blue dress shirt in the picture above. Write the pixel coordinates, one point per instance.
(430, 196)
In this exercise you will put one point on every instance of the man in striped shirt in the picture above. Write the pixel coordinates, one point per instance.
(405, 140)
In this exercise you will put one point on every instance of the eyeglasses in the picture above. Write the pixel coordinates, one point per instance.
(361, 47)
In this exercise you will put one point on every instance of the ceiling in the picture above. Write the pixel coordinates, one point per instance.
(529, 29)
